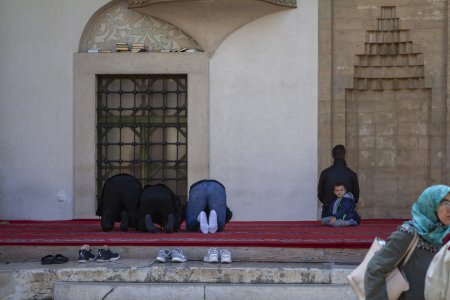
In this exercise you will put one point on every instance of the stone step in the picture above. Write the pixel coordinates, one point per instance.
(31, 280)
(14, 254)
(161, 291)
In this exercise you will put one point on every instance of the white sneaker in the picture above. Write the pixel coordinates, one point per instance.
(163, 255)
(203, 222)
(212, 227)
(177, 255)
(213, 256)
(225, 256)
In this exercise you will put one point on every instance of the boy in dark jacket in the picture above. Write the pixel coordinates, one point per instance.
(342, 210)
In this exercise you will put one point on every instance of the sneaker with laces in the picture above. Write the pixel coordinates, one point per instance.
(212, 222)
(106, 254)
(203, 222)
(213, 256)
(85, 254)
(225, 256)
(177, 255)
(163, 255)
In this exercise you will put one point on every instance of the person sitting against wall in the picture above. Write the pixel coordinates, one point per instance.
(159, 205)
(338, 172)
(207, 207)
(118, 202)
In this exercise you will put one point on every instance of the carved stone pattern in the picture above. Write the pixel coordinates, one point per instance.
(119, 24)
(141, 3)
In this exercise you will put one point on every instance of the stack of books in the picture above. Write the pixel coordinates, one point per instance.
(121, 47)
(180, 50)
(137, 47)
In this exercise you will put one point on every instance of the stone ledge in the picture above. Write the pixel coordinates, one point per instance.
(112, 291)
(17, 254)
(33, 280)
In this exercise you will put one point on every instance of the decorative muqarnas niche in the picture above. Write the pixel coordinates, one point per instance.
(117, 23)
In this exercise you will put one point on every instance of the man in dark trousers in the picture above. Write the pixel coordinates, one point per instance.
(119, 201)
(338, 172)
(159, 205)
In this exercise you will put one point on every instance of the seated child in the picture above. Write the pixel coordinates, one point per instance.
(342, 210)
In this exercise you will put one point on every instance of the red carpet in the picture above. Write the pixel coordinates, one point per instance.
(296, 234)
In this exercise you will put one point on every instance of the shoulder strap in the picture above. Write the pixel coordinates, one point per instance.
(411, 248)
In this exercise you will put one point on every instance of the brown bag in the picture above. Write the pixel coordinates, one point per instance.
(396, 282)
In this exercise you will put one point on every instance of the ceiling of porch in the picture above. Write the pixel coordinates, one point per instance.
(210, 22)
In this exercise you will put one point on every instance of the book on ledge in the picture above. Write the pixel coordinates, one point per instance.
(137, 47)
(122, 47)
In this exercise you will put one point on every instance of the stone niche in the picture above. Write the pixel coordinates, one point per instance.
(385, 100)
(387, 116)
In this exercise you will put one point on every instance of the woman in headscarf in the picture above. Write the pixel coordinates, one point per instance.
(430, 220)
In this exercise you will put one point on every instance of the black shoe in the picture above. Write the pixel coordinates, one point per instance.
(106, 254)
(107, 222)
(85, 255)
(149, 224)
(168, 228)
(124, 221)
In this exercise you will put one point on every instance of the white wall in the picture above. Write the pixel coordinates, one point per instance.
(38, 38)
(263, 116)
(263, 111)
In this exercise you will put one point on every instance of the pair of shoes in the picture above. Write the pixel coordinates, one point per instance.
(85, 254)
(215, 255)
(174, 255)
(57, 259)
(105, 254)
(208, 225)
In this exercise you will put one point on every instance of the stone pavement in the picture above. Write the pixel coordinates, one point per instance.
(143, 278)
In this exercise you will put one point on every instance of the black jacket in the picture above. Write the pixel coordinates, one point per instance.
(338, 172)
(120, 192)
(166, 202)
